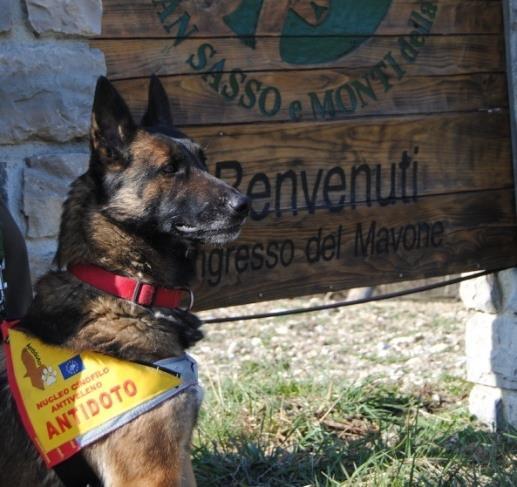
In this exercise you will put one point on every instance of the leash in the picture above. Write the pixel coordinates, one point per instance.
(76, 472)
(344, 304)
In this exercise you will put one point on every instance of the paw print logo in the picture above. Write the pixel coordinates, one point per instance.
(48, 376)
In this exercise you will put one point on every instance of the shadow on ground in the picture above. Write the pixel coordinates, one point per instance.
(389, 441)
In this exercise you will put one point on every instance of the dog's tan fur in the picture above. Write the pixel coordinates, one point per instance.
(154, 449)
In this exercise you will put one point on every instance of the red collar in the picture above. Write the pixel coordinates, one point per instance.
(130, 289)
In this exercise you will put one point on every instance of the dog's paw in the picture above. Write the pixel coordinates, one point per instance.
(186, 325)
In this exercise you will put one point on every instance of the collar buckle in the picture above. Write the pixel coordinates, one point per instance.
(144, 294)
(191, 299)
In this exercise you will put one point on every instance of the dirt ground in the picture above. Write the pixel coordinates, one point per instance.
(410, 343)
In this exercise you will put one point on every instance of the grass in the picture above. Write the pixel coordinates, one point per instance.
(259, 428)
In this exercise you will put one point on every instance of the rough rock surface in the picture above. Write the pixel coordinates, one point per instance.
(5, 16)
(491, 348)
(41, 255)
(508, 285)
(73, 17)
(4, 176)
(46, 90)
(46, 181)
(494, 406)
(482, 294)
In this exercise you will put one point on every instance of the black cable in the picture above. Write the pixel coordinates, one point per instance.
(343, 304)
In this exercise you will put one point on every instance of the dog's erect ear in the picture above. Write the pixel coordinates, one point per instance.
(158, 109)
(112, 128)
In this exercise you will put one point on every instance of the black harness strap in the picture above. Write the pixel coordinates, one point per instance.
(77, 472)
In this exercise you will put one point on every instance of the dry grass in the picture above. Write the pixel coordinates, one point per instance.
(372, 395)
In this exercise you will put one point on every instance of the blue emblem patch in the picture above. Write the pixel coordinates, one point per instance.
(71, 367)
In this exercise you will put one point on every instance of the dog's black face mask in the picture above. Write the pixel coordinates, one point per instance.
(154, 177)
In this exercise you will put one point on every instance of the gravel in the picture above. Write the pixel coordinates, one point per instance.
(409, 343)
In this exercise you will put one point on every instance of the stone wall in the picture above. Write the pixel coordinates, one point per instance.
(491, 347)
(47, 78)
(491, 334)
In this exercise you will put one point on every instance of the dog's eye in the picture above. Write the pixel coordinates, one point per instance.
(170, 168)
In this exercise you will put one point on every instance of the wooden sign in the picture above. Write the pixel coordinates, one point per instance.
(372, 137)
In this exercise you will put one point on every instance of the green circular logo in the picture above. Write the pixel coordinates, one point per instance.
(322, 33)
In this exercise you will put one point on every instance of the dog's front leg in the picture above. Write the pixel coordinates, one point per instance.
(151, 451)
(125, 464)
(188, 479)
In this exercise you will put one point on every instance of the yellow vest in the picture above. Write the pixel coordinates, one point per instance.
(68, 400)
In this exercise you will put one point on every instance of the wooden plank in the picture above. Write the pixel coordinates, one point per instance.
(128, 18)
(449, 55)
(399, 164)
(367, 246)
(469, 148)
(319, 95)
(511, 58)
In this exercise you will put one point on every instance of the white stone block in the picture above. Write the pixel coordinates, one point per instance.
(481, 294)
(510, 406)
(75, 17)
(46, 184)
(486, 404)
(491, 350)
(494, 406)
(478, 349)
(508, 286)
(46, 90)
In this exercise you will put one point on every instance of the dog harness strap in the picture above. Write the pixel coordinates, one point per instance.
(141, 293)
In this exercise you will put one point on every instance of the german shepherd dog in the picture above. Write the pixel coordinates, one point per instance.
(141, 210)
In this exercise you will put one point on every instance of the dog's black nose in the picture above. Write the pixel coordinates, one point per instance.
(240, 204)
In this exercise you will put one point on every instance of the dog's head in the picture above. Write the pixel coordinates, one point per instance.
(155, 178)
